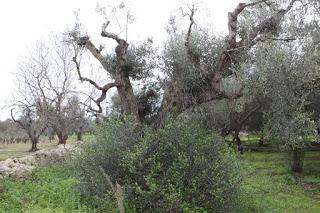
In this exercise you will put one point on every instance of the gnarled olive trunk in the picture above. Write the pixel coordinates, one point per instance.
(128, 100)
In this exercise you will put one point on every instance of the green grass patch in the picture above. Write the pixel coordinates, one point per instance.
(50, 189)
(274, 189)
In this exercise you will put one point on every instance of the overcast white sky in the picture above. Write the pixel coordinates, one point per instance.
(24, 22)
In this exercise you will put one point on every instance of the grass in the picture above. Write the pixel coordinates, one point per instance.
(51, 190)
(21, 149)
(274, 189)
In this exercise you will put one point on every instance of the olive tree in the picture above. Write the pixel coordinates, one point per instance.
(196, 62)
(77, 113)
(126, 64)
(26, 107)
(31, 122)
(286, 75)
(47, 75)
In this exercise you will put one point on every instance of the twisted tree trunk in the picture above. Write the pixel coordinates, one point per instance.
(120, 76)
(128, 100)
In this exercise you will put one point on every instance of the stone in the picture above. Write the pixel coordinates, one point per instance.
(5, 170)
(22, 167)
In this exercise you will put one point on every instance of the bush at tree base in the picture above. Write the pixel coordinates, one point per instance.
(175, 169)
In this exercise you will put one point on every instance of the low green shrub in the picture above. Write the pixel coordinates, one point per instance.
(180, 168)
(114, 139)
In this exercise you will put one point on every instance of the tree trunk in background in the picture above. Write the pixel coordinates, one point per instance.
(34, 143)
(261, 141)
(51, 134)
(62, 138)
(296, 156)
(237, 141)
(51, 137)
(79, 133)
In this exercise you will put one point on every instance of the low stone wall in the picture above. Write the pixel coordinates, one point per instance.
(12, 167)
(22, 167)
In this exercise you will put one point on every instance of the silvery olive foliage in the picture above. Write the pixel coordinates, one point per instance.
(286, 77)
(140, 62)
(181, 74)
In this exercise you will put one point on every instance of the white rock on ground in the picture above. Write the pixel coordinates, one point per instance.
(12, 167)
(22, 167)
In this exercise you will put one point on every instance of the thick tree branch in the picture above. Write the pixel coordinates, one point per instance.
(225, 59)
(104, 89)
(266, 25)
(233, 21)
(113, 36)
(17, 121)
(81, 78)
(85, 42)
(121, 49)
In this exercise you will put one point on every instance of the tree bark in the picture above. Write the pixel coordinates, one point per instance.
(296, 159)
(51, 134)
(34, 143)
(127, 97)
(121, 77)
(62, 138)
(79, 136)
(79, 133)
(237, 141)
(261, 141)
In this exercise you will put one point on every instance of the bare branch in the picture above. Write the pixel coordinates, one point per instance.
(17, 121)
(226, 57)
(192, 56)
(233, 21)
(266, 24)
(103, 89)
(121, 49)
(81, 78)
(113, 36)
(85, 41)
